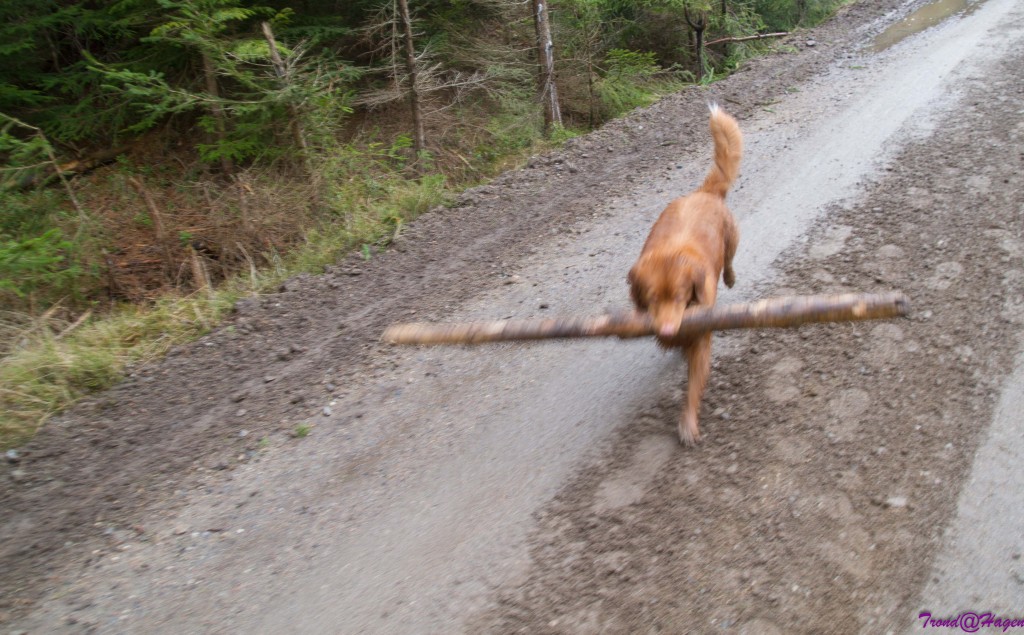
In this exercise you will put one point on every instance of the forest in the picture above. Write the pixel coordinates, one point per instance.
(161, 158)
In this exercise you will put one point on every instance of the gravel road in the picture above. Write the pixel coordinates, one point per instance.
(851, 475)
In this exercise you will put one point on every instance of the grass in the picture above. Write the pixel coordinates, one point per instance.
(48, 369)
(49, 363)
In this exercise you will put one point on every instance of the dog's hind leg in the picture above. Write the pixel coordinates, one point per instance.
(732, 240)
(698, 358)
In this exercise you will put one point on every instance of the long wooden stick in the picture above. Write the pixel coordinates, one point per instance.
(777, 312)
(746, 38)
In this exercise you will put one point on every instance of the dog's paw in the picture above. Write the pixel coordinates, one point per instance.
(729, 277)
(689, 434)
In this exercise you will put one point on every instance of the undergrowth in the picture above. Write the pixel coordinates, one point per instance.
(51, 360)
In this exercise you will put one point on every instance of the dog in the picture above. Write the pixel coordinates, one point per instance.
(691, 244)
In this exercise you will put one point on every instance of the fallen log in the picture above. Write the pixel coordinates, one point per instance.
(776, 313)
(41, 178)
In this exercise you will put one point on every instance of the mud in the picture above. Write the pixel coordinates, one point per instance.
(833, 454)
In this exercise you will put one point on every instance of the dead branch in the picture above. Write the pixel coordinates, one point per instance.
(200, 276)
(777, 313)
(158, 222)
(38, 132)
(94, 160)
(62, 171)
(745, 38)
(74, 325)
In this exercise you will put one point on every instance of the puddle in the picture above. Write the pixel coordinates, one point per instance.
(925, 17)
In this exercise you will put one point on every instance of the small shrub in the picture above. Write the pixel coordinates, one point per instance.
(631, 81)
(40, 262)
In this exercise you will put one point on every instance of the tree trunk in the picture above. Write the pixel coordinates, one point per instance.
(419, 142)
(777, 313)
(698, 25)
(700, 54)
(219, 120)
(592, 93)
(547, 90)
(725, 13)
(589, 36)
(298, 134)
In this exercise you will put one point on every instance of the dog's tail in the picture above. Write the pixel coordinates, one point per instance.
(728, 151)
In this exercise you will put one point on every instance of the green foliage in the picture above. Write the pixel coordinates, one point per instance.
(629, 81)
(25, 157)
(512, 131)
(27, 214)
(34, 254)
(43, 75)
(84, 71)
(621, 63)
(783, 15)
(28, 264)
(93, 71)
(207, 29)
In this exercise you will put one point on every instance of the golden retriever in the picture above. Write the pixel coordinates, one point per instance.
(690, 246)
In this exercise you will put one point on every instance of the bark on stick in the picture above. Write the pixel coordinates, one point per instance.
(777, 313)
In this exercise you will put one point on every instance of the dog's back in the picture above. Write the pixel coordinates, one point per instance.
(689, 247)
(696, 230)
(690, 218)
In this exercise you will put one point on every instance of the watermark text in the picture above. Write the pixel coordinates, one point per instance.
(971, 622)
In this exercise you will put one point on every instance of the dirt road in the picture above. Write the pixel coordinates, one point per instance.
(539, 488)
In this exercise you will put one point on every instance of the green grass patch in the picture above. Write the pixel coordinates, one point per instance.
(50, 368)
